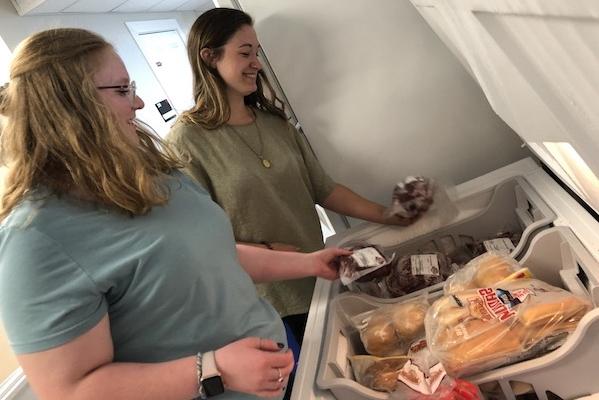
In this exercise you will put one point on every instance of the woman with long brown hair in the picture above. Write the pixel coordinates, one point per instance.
(255, 165)
(119, 277)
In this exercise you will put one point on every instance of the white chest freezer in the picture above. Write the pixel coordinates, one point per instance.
(538, 64)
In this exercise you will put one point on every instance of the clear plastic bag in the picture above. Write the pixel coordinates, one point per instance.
(417, 271)
(366, 264)
(480, 329)
(391, 329)
(483, 271)
(378, 373)
(425, 199)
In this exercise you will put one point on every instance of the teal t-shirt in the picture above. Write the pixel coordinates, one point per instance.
(170, 280)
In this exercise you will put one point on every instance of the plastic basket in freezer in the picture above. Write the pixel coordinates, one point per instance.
(556, 256)
(511, 206)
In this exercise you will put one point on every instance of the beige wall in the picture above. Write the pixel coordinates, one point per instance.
(8, 363)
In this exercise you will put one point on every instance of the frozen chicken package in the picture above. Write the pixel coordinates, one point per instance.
(480, 329)
(485, 270)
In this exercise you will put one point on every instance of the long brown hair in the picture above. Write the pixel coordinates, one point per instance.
(212, 30)
(60, 136)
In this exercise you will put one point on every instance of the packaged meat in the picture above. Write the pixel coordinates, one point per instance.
(411, 197)
(365, 264)
(480, 329)
(415, 272)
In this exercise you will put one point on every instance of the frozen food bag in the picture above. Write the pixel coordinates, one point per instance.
(503, 242)
(480, 329)
(377, 373)
(484, 271)
(391, 329)
(366, 263)
(417, 271)
(411, 197)
(423, 198)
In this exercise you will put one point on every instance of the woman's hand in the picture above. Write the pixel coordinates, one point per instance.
(256, 366)
(324, 263)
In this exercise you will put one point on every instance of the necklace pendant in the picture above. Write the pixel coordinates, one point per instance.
(265, 163)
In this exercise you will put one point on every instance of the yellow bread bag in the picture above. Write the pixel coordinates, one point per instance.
(485, 271)
(480, 329)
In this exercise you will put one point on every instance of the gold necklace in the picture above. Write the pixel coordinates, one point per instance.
(265, 162)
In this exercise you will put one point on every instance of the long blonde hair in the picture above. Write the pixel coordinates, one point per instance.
(212, 30)
(60, 136)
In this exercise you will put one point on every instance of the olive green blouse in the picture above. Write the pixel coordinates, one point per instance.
(273, 204)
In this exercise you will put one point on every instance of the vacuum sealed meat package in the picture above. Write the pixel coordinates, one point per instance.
(366, 263)
(503, 242)
(415, 272)
(422, 198)
(411, 197)
(480, 329)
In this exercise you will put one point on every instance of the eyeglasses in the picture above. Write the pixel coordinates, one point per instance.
(125, 90)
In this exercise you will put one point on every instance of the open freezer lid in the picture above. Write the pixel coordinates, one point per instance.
(538, 63)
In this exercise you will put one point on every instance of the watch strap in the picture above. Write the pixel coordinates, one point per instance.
(211, 381)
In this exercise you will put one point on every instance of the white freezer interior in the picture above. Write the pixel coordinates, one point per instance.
(555, 256)
(511, 205)
(569, 215)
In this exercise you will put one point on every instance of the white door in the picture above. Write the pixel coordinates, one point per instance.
(163, 46)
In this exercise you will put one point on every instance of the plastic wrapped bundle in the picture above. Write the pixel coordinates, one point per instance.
(480, 329)
(391, 329)
(378, 373)
(416, 272)
(411, 197)
(485, 270)
(366, 263)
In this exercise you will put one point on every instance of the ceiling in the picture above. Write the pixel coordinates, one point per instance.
(35, 7)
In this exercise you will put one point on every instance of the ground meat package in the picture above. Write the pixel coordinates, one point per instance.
(484, 271)
(503, 242)
(480, 329)
(391, 329)
(412, 197)
(366, 263)
(415, 272)
(422, 198)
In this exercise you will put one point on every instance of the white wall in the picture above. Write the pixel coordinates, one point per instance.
(14, 28)
(378, 94)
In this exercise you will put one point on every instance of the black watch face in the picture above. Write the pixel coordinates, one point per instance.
(213, 386)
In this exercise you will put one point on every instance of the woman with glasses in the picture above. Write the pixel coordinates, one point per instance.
(119, 277)
(255, 164)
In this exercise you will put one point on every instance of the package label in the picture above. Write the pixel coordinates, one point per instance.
(417, 380)
(368, 257)
(425, 264)
(501, 245)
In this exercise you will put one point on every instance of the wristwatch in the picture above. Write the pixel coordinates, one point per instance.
(211, 381)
